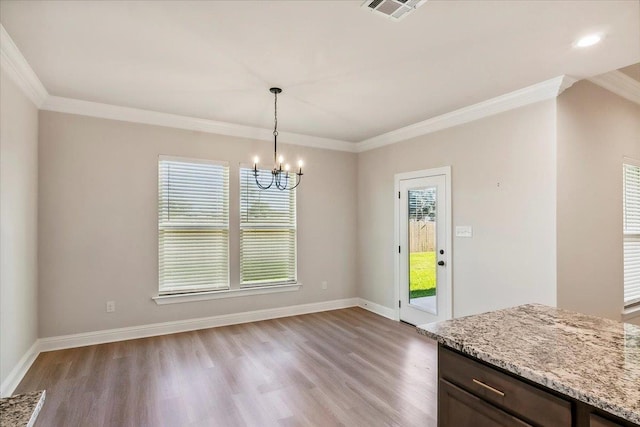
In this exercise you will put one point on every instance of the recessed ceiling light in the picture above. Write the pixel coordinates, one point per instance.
(589, 40)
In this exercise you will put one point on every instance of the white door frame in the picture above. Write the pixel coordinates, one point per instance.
(446, 171)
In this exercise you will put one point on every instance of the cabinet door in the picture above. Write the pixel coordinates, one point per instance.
(504, 391)
(457, 408)
(596, 421)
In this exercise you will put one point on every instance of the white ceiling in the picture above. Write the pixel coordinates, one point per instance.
(346, 73)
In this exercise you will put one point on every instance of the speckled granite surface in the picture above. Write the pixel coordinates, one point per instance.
(21, 409)
(596, 361)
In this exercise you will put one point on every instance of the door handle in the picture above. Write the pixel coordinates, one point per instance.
(440, 262)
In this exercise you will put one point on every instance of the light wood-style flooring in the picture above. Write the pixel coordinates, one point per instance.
(344, 367)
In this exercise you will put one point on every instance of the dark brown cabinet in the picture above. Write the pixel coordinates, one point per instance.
(475, 394)
(460, 408)
(596, 421)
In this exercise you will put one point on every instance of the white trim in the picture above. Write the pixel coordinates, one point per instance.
(633, 309)
(449, 232)
(620, 84)
(163, 157)
(630, 161)
(548, 89)
(630, 313)
(137, 115)
(541, 91)
(17, 67)
(154, 329)
(121, 334)
(396, 244)
(18, 372)
(21, 72)
(446, 171)
(378, 309)
(227, 293)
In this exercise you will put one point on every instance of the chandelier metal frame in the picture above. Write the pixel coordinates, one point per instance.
(279, 174)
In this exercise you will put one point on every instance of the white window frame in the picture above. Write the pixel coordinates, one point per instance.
(631, 308)
(234, 290)
(265, 226)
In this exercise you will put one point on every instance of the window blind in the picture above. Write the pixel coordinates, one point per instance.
(193, 225)
(631, 221)
(267, 231)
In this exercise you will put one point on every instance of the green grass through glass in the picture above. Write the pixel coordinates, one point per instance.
(422, 274)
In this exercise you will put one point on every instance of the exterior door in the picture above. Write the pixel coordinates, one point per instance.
(425, 294)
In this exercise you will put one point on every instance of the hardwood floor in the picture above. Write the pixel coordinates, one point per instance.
(344, 367)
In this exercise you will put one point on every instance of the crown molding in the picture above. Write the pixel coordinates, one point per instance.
(547, 89)
(19, 70)
(136, 115)
(620, 84)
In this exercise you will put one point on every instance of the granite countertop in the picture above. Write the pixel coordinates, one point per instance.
(594, 360)
(21, 409)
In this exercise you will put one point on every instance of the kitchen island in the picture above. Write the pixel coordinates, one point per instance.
(537, 365)
(21, 410)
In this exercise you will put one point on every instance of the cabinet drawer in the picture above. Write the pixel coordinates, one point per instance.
(511, 394)
(457, 408)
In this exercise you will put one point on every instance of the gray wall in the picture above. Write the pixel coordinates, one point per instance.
(596, 128)
(511, 258)
(98, 222)
(18, 224)
(97, 206)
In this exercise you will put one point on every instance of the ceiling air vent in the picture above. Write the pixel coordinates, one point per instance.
(393, 9)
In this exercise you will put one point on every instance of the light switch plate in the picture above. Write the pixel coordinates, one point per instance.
(464, 231)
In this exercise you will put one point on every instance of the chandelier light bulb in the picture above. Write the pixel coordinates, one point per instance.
(256, 160)
(280, 159)
(300, 163)
(286, 167)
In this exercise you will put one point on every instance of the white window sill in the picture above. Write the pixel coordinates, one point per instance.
(631, 313)
(227, 293)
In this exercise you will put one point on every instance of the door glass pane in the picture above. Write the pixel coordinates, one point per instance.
(422, 249)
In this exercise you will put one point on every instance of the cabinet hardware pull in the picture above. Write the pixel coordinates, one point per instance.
(495, 390)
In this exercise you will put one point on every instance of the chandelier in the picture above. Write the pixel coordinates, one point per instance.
(279, 173)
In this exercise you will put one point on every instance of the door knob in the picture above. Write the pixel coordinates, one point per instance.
(440, 262)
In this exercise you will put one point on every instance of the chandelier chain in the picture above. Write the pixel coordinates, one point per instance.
(275, 114)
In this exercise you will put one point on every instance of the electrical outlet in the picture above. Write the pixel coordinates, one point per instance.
(111, 306)
(324, 285)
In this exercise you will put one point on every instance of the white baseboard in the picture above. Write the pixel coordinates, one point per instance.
(143, 331)
(378, 309)
(121, 334)
(630, 314)
(17, 373)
